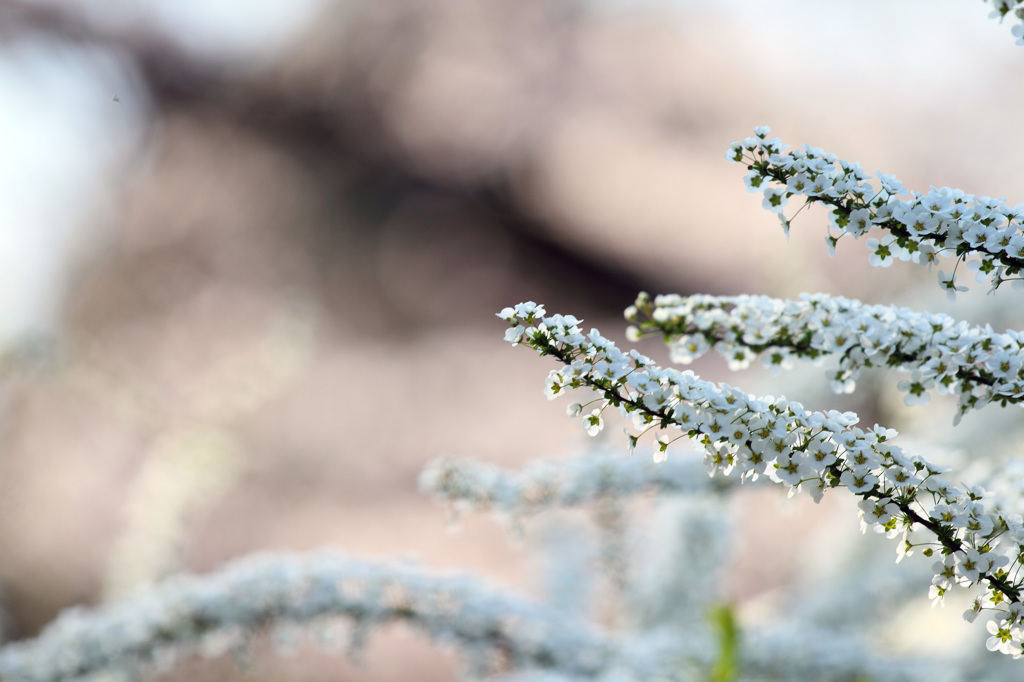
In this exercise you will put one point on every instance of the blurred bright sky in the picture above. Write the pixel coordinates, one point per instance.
(932, 42)
(62, 133)
(250, 29)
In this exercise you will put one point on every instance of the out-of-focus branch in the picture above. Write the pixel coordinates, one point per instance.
(259, 593)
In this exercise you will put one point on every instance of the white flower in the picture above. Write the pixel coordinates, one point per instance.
(969, 563)
(553, 385)
(948, 282)
(774, 199)
(860, 222)
(793, 469)
(514, 334)
(735, 153)
(937, 595)
(593, 423)
(881, 254)
(879, 511)
(755, 182)
(890, 184)
(1001, 639)
(858, 480)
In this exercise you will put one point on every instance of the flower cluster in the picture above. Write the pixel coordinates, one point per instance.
(976, 364)
(749, 437)
(1015, 7)
(921, 228)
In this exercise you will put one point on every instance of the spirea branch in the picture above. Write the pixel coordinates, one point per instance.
(923, 228)
(471, 485)
(976, 364)
(749, 437)
(225, 610)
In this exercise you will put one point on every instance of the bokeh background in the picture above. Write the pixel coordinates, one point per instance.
(251, 252)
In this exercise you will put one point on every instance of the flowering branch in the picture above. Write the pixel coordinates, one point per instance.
(751, 437)
(288, 595)
(796, 649)
(943, 222)
(225, 610)
(544, 485)
(975, 363)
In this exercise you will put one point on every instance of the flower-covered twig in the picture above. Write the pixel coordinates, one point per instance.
(922, 228)
(218, 612)
(976, 364)
(542, 485)
(749, 437)
(339, 601)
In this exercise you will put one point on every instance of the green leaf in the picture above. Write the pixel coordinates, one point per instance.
(727, 666)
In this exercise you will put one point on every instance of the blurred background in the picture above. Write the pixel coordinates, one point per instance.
(251, 252)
